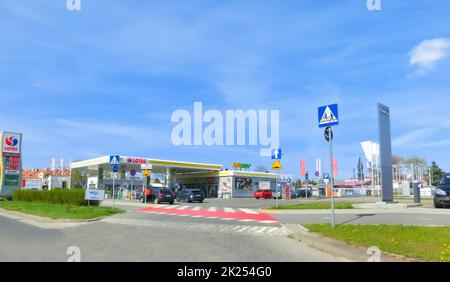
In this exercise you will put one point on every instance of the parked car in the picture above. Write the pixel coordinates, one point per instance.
(190, 195)
(442, 193)
(163, 196)
(263, 194)
(302, 193)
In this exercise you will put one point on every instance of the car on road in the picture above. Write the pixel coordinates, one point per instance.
(163, 196)
(263, 194)
(442, 193)
(190, 195)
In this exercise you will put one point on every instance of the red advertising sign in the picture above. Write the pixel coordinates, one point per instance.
(335, 167)
(286, 194)
(302, 168)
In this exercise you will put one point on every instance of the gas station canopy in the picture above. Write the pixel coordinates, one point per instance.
(159, 166)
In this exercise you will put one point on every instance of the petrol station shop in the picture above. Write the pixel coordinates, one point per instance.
(212, 179)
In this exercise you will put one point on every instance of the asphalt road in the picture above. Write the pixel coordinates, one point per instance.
(132, 237)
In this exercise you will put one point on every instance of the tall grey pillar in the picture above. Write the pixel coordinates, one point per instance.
(169, 178)
(384, 123)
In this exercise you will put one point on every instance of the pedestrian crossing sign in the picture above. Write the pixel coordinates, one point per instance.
(114, 160)
(146, 173)
(328, 115)
(277, 165)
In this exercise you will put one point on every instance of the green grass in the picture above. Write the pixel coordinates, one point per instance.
(58, 211)
(314, 206)
(420, 242)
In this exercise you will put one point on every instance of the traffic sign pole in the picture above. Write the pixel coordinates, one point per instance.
(276, 188)
(114, 189)
(333, 219)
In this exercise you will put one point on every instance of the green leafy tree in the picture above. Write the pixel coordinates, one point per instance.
(416, 161)
(78, 180)
(298, 184)
(436, 173)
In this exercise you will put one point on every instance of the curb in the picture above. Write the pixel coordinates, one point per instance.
(338, 248)
(45, 222)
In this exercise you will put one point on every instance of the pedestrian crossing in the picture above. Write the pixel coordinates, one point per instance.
(266, 230)
(223, 213)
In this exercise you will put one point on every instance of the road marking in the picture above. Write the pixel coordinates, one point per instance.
(425, 218)
(273, 229)
(261, 230)
(244, 215)
(268, 221)
(249, 211)
(197, 208)
(237, 229)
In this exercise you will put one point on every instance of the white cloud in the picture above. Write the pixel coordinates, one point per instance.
(429, 52)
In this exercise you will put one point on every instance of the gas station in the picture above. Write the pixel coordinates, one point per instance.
(132, 176)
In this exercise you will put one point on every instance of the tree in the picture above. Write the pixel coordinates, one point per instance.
(436, 173)
(415, 161)
(78, 180)
(396, 160)
(298, 184)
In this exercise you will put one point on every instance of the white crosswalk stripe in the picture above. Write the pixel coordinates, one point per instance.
(267, 221)
(197, 208)
(212, 209)
(183, 207)
(249, 211)
(169, 207)
(228, 209)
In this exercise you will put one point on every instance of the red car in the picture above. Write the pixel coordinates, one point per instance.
(265, 194)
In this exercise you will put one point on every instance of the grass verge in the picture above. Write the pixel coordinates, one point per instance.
(314, 206)
(420, 242)
(58, 211)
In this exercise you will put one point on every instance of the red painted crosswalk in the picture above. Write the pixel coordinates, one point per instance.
(244, 215)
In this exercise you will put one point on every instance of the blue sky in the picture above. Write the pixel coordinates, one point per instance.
(106, 79)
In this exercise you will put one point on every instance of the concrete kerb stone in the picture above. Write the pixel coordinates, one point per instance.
(337, 248)
(44, 222)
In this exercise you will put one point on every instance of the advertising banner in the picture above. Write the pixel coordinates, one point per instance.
(302, 168)
(335, 167)
(94, 195)
(264, 185)
(1, 169)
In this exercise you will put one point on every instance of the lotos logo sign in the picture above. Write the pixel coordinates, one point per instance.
(11, 143)
(136, 161)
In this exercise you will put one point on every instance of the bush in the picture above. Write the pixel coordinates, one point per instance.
(59, 196)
